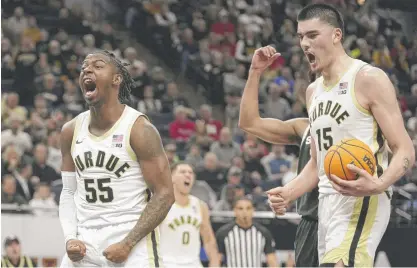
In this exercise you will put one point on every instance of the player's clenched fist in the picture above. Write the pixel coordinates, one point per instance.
(76, 250)
(263, 57)
(279, 199)
(117, 253)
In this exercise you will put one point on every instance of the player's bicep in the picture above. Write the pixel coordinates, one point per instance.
(147, 145)
(67, 134)
(384, 106)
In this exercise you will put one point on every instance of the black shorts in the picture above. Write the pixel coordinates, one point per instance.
(306, 252)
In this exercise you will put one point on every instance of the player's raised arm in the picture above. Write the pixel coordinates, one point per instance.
(375, 93)
(147, 145)
(307, 180)
(67, 211)
(268, 129)
(209, 240)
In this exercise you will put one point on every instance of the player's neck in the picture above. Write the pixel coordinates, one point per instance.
(335, 70)
(106, 115)
(181, 199)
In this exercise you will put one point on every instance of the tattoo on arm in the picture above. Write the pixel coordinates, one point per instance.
(406, 164)
(154, 213)
(154, 164)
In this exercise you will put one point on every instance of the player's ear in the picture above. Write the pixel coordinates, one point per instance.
(337, 35)
(117, 79)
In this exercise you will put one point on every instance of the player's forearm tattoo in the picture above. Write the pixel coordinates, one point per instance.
(158, 206)
(406, 164)
(154, 213)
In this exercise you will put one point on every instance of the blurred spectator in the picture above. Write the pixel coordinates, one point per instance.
(276, 163)
(8, 191)
(245, 47)
(233, 192)
(158, 81)
(149, 104)
(225, 148)
(223, 26)
(212, 125)
(276, 106)
(14, 257)
(171, 152)
(43, 202)
(234, 83)
(40, 168)
(211, 172)
(200, 137)
(54, 151)
(172, 99)
(11, 106)
(16, 136)
(165, 17)
(232, 113)
(194, 157)
(17, 24)
(32, 30)
(182, 128)
(234, 178)
(25, 62)
(25, 183)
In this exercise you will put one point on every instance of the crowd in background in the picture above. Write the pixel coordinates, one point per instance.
(209, 42)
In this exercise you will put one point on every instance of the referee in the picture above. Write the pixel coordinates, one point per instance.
(242, 242)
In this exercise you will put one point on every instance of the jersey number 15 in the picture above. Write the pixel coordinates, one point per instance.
(325, 139)
(98, 188)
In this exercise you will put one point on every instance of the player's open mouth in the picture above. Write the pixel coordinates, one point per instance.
(89, 87)
(310, 57)
(186, 183)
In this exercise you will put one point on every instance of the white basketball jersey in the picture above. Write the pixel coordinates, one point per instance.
(335, 114)
(180, 233)
(110, 185)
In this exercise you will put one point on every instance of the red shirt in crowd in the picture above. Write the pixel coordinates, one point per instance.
(213, 128)
(223, 28)
(181, 130)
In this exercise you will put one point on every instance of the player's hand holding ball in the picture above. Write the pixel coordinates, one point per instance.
(117, 252)
(349, 165)
(76, 250)
(279, 198)
(263, 57)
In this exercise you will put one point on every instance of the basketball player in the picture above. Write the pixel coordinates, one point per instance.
(275, 131)
(351, 99)
(116, 179)
(187, 220)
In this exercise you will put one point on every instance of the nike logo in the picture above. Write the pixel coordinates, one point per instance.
(78, 142)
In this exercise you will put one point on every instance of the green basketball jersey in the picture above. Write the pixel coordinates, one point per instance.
(307, 204)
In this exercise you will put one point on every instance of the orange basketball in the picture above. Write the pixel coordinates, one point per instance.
(349, 151)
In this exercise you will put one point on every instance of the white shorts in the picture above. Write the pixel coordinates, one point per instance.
(351, 228)
(145, 254)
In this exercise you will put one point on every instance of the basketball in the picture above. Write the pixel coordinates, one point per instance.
(349, 151)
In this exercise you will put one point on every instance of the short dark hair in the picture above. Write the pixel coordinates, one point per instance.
(326, 13)
(243, 198)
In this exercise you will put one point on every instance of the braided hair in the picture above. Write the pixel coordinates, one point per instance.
(127, 81)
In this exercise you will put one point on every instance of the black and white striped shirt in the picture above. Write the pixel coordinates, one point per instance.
(244, 247)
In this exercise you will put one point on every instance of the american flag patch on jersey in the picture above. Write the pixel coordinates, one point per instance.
(343, 85)
(117, 138)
